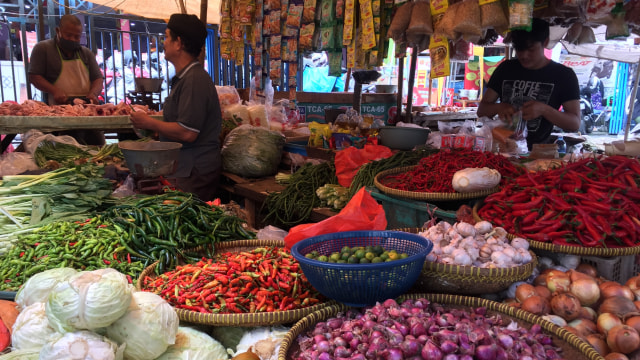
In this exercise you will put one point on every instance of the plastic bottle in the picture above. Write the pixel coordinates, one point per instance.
(562, 145)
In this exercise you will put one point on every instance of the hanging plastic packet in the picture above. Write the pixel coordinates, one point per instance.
(275, 71)
(340, 10)
(598, 10)
(294, 16)
(327, 12)
(366, 21)
(284, 7)
(335, 63)
(617, 27)
(326, 38)
(238, 52)
(306, 36)
(351, 53)
(439, 53)
(309, 11)
(237, 31)
(520, 14)
(492, 15)
(290, 49)
(275, 47)
(349, 16)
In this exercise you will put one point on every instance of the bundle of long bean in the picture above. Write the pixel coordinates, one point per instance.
(161, 227)
(294, 204)
(368, 171)
(83, 245)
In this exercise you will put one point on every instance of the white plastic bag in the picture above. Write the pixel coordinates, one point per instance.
(15, 163)
(32, 138)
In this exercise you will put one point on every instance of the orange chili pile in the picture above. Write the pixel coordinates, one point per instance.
(590, 203)
(434, 173)
(265, 279)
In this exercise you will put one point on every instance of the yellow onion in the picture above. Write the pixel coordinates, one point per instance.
(588, 313)
(634, 322)
(587, 269)
(566, 305)
(525, 291)
(540, 280)
(614, 289)
(584, 327)
(536, 305)
(599, 343)
(623, 339)
(575, 275)
(620, 306)
(557, 281)
(606, 321)
(543, 291)
(616, 356)
(634, 285)
(586, 290)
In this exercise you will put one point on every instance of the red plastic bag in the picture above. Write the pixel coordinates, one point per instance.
(361, 213)
(349, 160)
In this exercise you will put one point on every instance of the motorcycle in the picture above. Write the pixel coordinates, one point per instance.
(588, 115)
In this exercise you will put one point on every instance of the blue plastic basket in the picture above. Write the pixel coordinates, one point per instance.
(363, 284)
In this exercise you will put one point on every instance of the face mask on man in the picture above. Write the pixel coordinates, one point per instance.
(68, 45)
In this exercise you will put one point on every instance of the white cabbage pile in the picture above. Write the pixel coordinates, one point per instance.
(98, 315)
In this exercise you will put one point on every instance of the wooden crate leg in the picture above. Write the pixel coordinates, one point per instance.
(250, 207)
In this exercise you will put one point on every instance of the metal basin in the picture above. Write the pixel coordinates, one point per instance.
(148, 84)
(150, 158)
(403, 138)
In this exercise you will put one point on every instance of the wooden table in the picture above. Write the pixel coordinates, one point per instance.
(255, 192)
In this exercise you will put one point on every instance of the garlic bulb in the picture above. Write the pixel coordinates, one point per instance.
(483, 227)
(520, 243)
(465, 229)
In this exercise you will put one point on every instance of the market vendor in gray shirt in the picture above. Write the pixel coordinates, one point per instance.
(64, 69)
(191, 112)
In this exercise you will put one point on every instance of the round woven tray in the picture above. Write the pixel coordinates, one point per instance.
(568, 249)
(245, 319)
(468, 280)
(427, 196)
(571, 345)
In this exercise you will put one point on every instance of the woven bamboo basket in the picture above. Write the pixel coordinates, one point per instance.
(468, 280)
(426, 196)
(244, 319)
(568, 249)
(572, 346)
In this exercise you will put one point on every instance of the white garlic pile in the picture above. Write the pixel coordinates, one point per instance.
(479, 245)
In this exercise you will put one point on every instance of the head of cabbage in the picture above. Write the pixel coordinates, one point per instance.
(38, 287)
(192, 344)
(31, 329)
(81, 345)
(148, 327)
(89, 300)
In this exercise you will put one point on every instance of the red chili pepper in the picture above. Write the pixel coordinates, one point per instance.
(107, 262)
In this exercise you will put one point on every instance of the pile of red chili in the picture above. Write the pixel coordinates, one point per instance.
(434, 173)
(265, 279)
(592, 202)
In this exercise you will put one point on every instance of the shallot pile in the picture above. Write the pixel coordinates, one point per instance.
(419, 329)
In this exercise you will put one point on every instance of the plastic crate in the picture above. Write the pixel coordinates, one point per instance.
(403, 213)
(617, 268)
(363, 284)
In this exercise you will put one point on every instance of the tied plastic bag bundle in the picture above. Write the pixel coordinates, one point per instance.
(420, 25)
(237, 112)
(587, 36)
(599, 11)
(573, 33)
(251, 151)
(617, 27)
(493, 16)
(445, 27)
(400, 22)
(258, 115)
(228, 95)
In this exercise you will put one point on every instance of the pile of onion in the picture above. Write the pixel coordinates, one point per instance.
(604, 313)
(418, 329)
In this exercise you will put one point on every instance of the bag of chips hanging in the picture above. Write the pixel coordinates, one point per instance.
(400, 21)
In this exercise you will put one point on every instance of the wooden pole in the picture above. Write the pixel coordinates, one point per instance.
(412, 79)
(183, 8)
(347, 80)
(66, 7)
(400, 89)
(40, 34)
(204, 4)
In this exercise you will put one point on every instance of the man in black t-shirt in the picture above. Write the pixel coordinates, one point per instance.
(535, 85)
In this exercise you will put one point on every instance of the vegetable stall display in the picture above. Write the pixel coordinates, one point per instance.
(265, 279)
(435, 173)
(592, 202)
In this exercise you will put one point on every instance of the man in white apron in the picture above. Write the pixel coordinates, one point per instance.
(65, 70)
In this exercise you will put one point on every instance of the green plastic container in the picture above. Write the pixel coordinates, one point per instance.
(404, 213)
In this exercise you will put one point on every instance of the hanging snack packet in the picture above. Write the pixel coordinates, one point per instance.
(492, 15)
(469, 20)
(598, 10)
(226, 48)
(237, 31)
(246, 12)
(445, 26)
(366, 21)
(238, 52)
(351, 54)
(294, 16)
(349, 16)
(284, 7)
(270, 5)
(340, 10)
(335, 63)
(225, 9)
(306, 36)
(375, 7)
(520, 14)
(225, 28)
(400, 21)
(290, 49)
(293, 73)
(327, 12)
(326, 38)
(275, 71)
(309, 11)
(275, 47)
(439, 52)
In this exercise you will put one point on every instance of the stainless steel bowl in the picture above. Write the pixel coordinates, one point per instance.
(147, 159)
(403, 138)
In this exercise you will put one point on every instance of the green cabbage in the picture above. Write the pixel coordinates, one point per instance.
(31, 329)
(21, 355)
(194, 345)
(81, 345)
(148, 328)
(89, 300)
(252, 151)
(38, 287)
